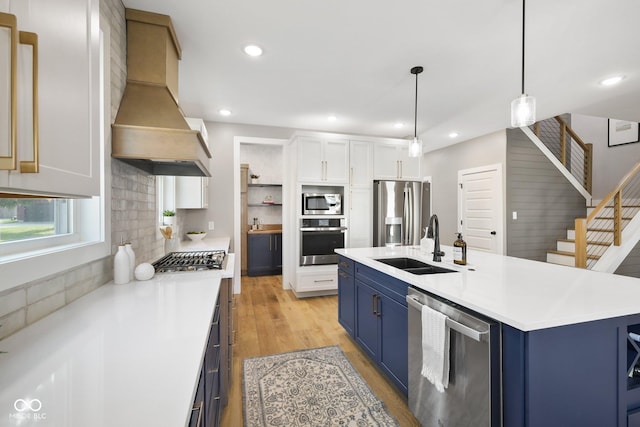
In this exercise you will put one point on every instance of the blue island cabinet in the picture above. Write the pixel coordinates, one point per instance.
(346, 295)
(574, 375)
(373, 310)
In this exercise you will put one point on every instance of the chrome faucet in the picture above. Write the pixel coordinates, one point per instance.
(434, 233)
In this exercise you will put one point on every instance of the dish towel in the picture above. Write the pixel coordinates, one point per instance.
(435, 348)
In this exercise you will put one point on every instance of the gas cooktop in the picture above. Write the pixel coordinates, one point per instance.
(190, 261)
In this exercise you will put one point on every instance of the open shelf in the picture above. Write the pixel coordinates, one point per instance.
(264, 185)
(633, 357)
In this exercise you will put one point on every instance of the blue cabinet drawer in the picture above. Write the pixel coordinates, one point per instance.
(346, 264)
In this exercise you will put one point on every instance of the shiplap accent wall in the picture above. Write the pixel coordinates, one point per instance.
(546, 203)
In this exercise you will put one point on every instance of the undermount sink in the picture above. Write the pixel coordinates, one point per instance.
(414, 266)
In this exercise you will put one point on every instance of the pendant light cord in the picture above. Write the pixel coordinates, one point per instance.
(523, 15)
(415, 111)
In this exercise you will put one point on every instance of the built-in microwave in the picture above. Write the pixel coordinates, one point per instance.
(321, 204)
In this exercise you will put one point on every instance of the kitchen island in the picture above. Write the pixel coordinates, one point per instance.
(565, 353)
(123, 355)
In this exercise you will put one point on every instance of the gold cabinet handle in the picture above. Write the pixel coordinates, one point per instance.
(9, 21)
(31, 39)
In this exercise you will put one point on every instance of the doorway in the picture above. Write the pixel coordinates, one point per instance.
(266, 192)
(480, 208)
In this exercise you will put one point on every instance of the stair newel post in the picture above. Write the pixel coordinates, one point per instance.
(588, 159)
(581, 242)
(617, 218)
(563, 144)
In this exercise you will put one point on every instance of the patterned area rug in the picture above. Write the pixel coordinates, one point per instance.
(317, 387)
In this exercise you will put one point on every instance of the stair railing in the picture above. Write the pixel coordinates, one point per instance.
(574, 154)
(596, 232)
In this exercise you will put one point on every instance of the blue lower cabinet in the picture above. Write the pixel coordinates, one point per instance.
(346, 301)
(380, 327)
(366, 319)
(212, 392)
(393, 341)
(562, 376)
(264, 254)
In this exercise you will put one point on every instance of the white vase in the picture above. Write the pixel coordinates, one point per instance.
(132, 260)
(168, 220)
(121, 266)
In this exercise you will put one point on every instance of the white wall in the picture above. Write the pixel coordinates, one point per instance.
(443, 166)
(221, 186)
(610, 164)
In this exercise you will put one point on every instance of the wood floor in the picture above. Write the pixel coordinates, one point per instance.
(270, 320)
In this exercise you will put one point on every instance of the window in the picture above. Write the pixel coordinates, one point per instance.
(25, 218)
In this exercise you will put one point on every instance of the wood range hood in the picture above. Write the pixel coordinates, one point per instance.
(150, 131)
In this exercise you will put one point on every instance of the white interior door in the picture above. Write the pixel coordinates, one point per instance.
(480, 207)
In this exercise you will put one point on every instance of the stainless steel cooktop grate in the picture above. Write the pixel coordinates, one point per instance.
(190, 261)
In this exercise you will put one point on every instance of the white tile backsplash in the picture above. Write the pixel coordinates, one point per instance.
(12, 300)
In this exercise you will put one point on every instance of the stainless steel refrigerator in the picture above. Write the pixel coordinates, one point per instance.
(401, 211)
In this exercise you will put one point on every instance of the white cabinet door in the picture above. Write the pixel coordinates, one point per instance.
(310, 160)
(385, 162)
(360, 157)
(360, 218)
(409, 166)
(393, 162)
(336, 161)
(68, 97)
(192, 192)
(323, 161)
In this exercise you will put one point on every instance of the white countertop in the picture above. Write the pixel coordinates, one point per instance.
(123, 355)
(527, 295)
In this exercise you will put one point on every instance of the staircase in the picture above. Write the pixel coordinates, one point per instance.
(605, 237)
(598, 239)
(611, 229)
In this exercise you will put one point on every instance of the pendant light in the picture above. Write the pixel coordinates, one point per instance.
(523, 108)
(415, 148)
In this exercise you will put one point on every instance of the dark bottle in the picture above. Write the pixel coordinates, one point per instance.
(460, 251)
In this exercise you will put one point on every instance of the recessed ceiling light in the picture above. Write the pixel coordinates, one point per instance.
(398, 125)
(253, 50)
(453, 134)
(332, 118)
(612, 81)
(224, 112)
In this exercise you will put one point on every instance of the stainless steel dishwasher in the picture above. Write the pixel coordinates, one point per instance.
(473, 396)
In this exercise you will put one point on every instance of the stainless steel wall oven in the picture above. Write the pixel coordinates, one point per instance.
(319, 238)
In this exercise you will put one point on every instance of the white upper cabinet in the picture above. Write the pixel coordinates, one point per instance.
(392, 161)
(192, 192)
(360, 157)
(67, 107)
(360, 218)
(322, 160)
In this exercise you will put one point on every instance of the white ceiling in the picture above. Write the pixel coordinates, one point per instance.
(351, 58)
